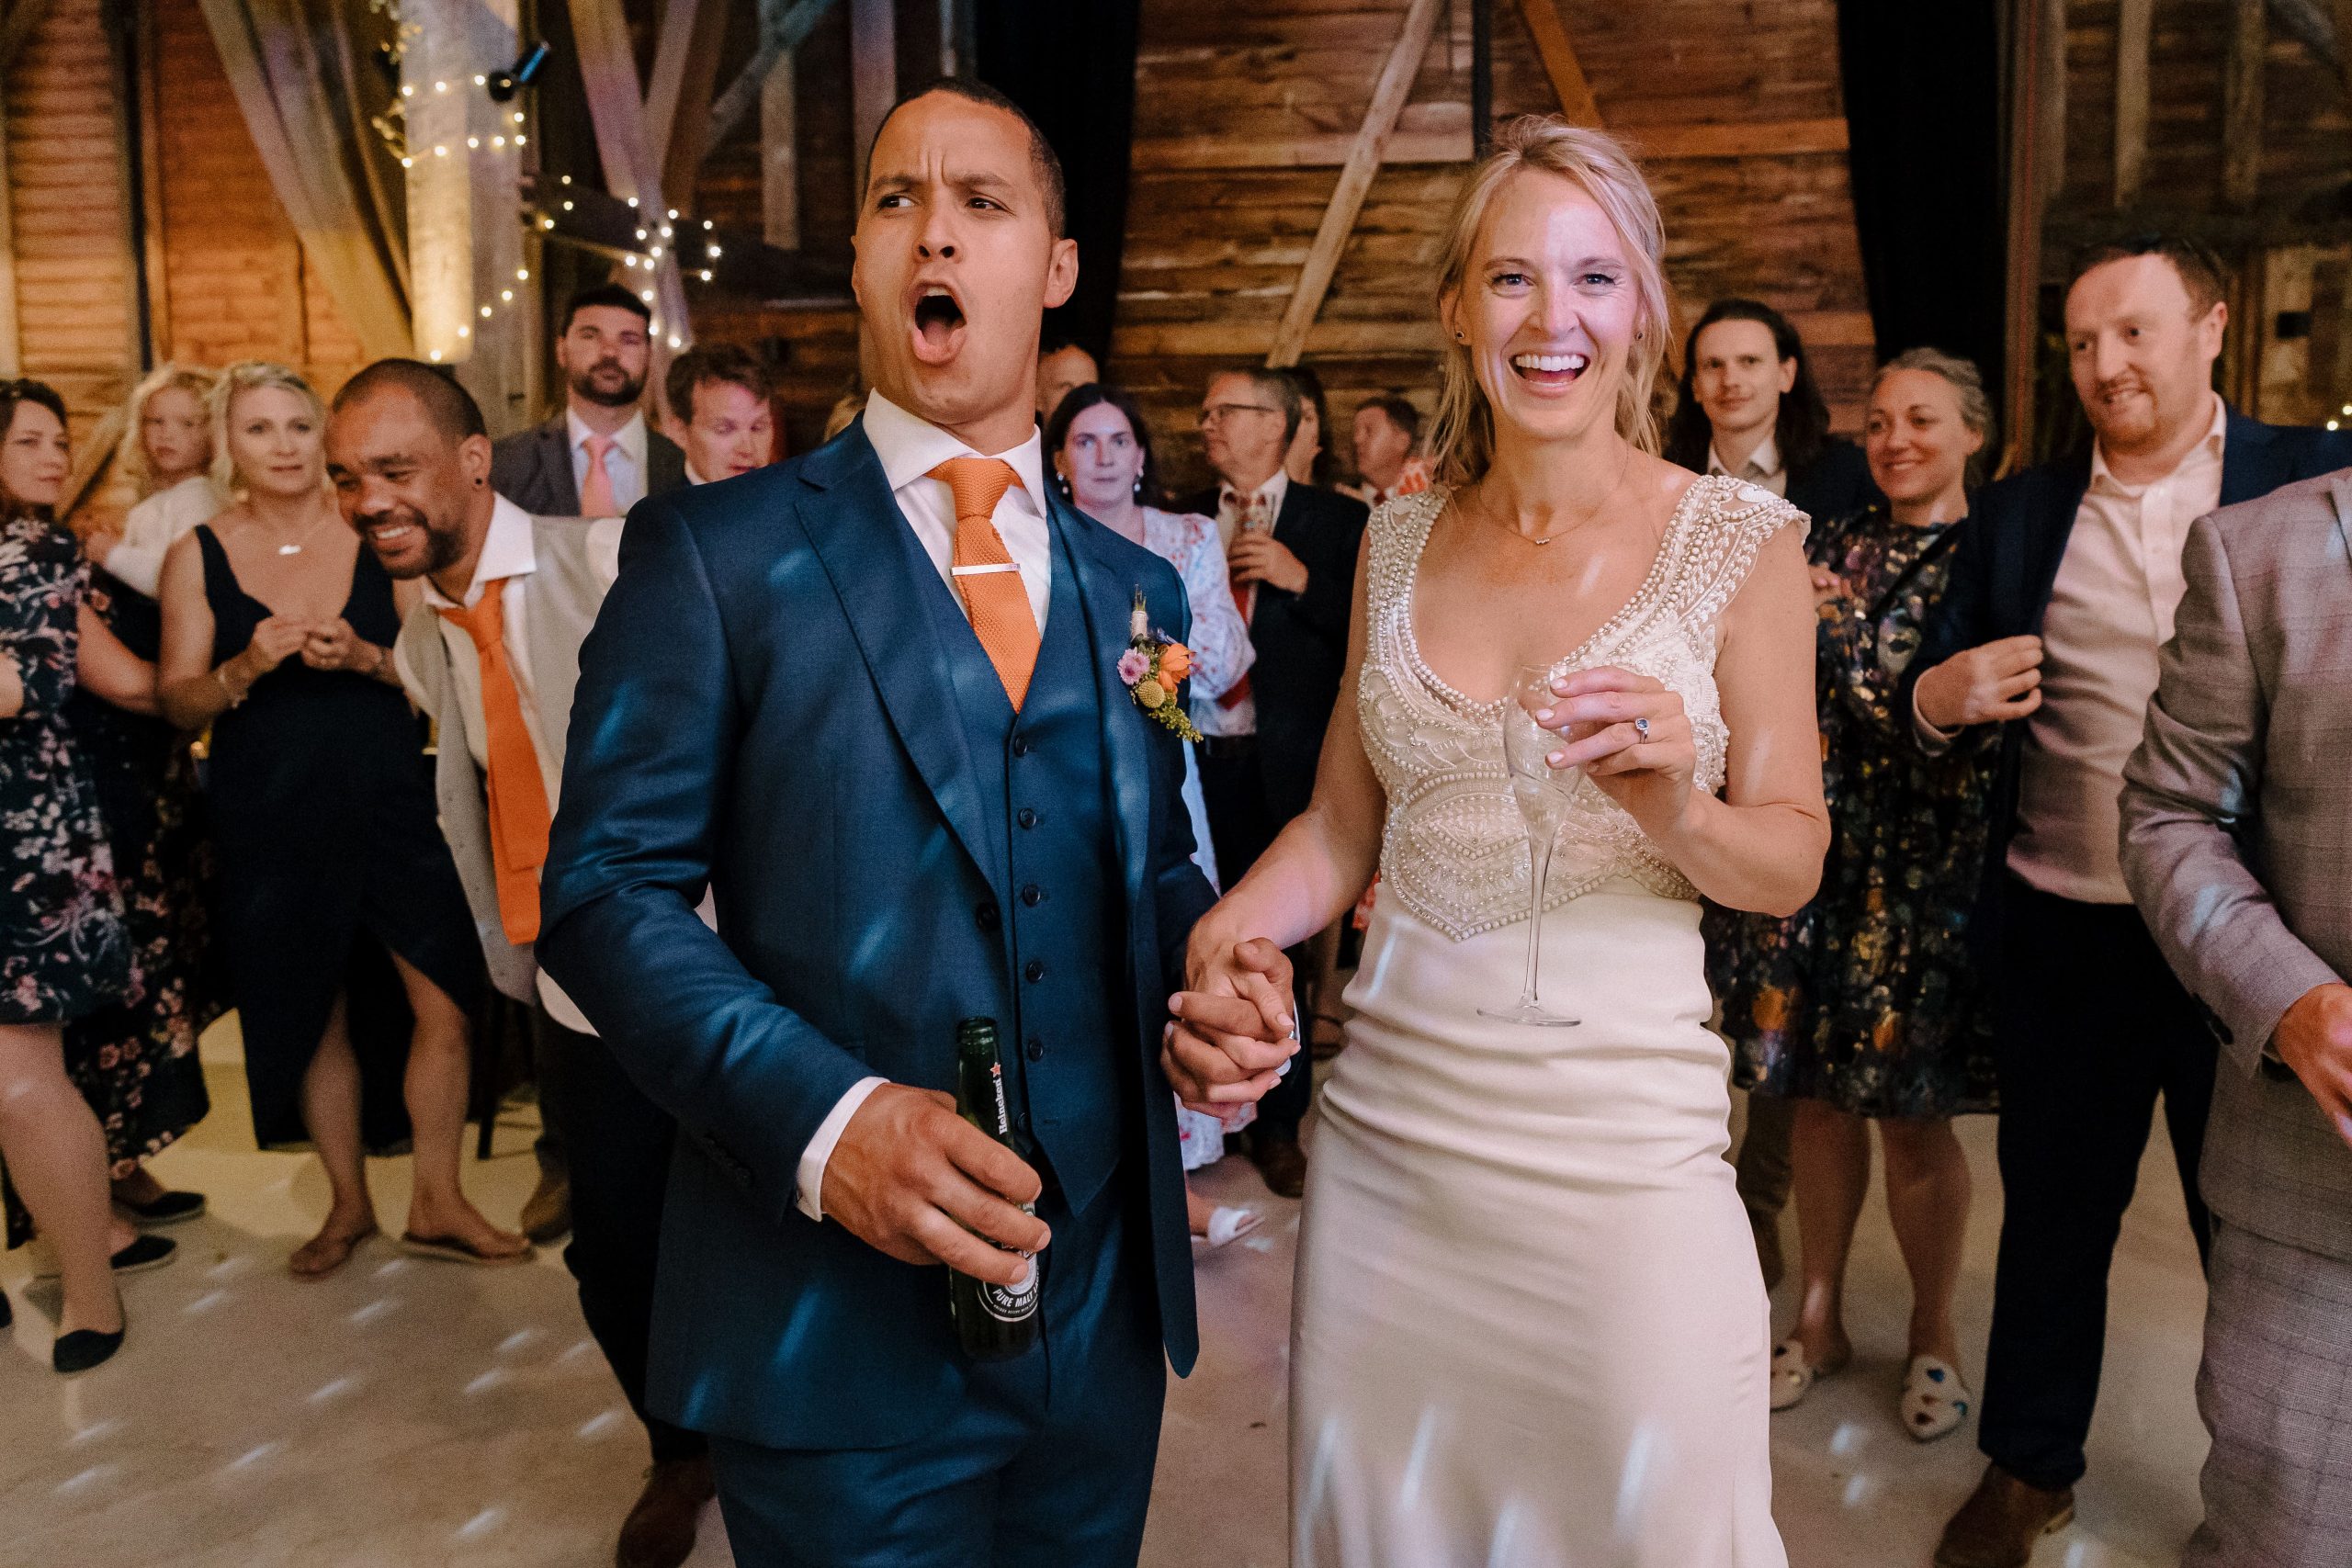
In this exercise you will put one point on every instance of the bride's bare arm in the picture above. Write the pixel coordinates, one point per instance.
(1320, 863)
(1759, 846)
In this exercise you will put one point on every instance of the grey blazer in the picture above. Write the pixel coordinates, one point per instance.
(561, 597)
(2237, 835)
(533, 467)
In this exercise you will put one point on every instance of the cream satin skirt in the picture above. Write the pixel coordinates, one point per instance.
(1528, 1329)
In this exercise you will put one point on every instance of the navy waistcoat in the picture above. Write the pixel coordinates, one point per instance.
(1060, 908)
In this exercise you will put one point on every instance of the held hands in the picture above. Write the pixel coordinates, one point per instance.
(1652, 776)
(275, 641)
(2315, 1039)
(1984, 685)
(915, 1181)
(1257, 557)
(1233, 1026)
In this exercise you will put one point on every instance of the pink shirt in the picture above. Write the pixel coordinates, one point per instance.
(2110, 611)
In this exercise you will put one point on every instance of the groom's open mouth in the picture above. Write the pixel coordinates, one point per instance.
(937, 317)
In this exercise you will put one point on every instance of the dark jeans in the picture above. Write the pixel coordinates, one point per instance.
(620, 1169)
(1047, 1460)
(2091, 1029)
(1241, 828)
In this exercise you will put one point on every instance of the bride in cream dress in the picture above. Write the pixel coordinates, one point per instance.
(1528, 1329)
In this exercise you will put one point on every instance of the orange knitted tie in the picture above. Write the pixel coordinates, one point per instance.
(518, 793)
(984, 572)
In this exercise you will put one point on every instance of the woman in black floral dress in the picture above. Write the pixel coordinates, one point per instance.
(63, 953)
(1863, 1006)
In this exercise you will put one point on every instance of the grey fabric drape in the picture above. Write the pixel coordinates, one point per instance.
(289, 64)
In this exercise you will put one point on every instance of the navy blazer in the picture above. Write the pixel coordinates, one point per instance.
(533, 467)
(2005, 568)
(1301, 639)
(763, 709)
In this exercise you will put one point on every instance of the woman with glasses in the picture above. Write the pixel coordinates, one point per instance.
(1864, 1007)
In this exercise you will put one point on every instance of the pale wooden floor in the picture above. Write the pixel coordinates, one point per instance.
(415, 1414)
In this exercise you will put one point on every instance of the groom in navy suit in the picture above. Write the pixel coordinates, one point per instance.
(870, 700)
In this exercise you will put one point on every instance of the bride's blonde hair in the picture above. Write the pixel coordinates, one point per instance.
(1461, 441)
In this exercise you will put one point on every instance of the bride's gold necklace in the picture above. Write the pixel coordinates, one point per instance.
(1625, 465)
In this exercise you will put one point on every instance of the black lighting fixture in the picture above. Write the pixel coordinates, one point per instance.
(503, 84)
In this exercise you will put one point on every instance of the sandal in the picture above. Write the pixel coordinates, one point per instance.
(334, 1250)
(1793, 1376)
(1935, 1402)
(455, 1249)
(1227, 1225)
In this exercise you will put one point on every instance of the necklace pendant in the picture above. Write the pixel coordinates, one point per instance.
(289, 549)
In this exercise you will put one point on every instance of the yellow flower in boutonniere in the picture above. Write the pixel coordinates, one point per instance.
(1152, 668)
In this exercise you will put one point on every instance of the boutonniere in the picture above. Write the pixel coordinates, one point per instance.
(1152, 668)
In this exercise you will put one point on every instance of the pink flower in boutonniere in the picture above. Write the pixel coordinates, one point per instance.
(1152, 668)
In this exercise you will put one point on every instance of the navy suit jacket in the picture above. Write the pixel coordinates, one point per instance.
(764, 708)
(2005, 568)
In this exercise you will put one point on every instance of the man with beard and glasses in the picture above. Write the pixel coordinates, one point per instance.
(492, 655)
(2062, 592)
(599, 457)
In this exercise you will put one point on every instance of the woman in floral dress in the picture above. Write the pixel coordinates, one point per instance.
(1863, 1006)
(62, 950)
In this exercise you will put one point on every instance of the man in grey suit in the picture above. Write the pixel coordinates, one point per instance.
(492, 654)
(2237, 845)
(600, 455)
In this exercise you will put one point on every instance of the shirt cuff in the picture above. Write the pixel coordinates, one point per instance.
(813, 1158)
(1935, 742)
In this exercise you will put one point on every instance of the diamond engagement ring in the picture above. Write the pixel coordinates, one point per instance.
(1642, 728)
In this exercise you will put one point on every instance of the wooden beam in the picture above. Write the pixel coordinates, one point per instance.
(2242, 104)
(678, 94)
(873, 79)
(783, 25)
(2134, 27)
(1560, 63)
(23, 18)
(11, 355)
(780, 155)
(1445, 139)
(617, 110)
(1388, 95)
(2037, 86)
(2343, 15)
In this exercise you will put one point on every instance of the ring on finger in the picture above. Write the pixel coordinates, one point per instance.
(1642, 728)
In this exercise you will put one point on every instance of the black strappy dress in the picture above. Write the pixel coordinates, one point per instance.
(330, 853)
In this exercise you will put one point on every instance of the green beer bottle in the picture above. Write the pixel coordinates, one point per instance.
(996, 1323)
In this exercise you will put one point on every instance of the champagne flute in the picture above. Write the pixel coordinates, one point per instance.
(1542, 792)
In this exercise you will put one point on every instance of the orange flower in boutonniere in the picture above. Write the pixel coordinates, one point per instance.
(1152, 668)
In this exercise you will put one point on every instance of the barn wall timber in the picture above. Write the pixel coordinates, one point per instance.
(1732, 105)
(76, 322)
(2289, 246)
(234, 281)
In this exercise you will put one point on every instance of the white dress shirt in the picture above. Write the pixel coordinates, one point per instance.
(155, 524)
(507, 552)
(910, 448)
(1763, 468)
(2110, 610)
(624, 460)
(1258, 510)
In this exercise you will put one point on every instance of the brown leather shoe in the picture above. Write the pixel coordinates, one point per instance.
(1282, 1162)
(659, 1531)
(547, 1217)
(1998, 1526)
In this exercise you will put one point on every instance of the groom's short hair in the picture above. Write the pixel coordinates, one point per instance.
(1043, 161)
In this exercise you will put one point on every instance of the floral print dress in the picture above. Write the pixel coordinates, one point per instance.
(63, 952)
(1867, 998)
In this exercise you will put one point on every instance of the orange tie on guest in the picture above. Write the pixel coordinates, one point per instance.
(519, 816)
(596, 485)
(984, 573)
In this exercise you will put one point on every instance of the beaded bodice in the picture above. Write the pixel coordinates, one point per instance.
(1455, 849)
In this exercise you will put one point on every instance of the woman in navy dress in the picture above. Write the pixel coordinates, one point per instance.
(352, 957)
